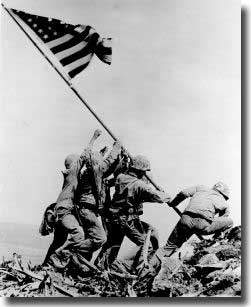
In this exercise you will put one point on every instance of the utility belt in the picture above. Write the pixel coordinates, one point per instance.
(122, 207)
(92, 207)
(196, 215)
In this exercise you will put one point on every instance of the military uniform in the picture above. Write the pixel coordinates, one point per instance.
(66, 222)
(207, 213)
(126, 208)
(90, 198)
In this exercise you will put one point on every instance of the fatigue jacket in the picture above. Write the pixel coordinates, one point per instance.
(204, 202)
(66, 196)
(91, 189)
(133, 192)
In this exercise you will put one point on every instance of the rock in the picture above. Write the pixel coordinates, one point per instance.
(234, 234)
(227, 251)
(186, 252)
(208, 259)
(161, 285)
(234, 237)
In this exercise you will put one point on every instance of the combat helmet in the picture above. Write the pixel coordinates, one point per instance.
(70, 159)
(222, 188)
(141, 163)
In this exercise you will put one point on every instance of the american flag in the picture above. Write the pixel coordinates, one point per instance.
(73, 45)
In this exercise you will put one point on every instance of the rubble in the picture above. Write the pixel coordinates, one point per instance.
(211, 267)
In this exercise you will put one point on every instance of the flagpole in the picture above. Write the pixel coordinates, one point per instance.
(76, 92)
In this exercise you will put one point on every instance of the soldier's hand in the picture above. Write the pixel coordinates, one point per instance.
(160, 188)
(124, 152)
(117, 145)
(97, 133)
(166, 198)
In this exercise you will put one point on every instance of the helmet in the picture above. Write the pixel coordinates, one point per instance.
(140, 162)
(70, 159)
(222, 188)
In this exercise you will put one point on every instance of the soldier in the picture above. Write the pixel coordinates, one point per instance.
(207, 213)
(131, 191)
(90, 197)
(66, 221)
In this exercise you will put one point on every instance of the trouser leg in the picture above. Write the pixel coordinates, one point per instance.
(180, 234)
(113, 243)
(219, 224)
(60, 237)
(133, 229)
(147, 251)
(154, 235)
(95, 234)
(73, 243)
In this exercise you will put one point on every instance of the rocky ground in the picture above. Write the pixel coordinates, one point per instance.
(208, 268)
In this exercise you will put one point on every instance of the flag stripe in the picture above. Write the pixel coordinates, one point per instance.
(79, 62)
(77, 55)
(59, 40)
(77, 70)
(65, 45)
(71, 50)
(75, 39)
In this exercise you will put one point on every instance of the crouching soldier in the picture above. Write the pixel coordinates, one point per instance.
(207, 213)
(131, 191)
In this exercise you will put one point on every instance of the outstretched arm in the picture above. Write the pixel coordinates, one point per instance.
(109, 164)
(150, 194)
(182, 195)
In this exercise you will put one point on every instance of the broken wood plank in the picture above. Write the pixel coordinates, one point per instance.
(36, 276)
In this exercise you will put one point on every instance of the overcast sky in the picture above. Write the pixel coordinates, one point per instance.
(172, 93)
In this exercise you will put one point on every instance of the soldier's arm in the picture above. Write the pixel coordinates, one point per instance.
(108, 165)
(225, 212)
(85, 153)
(150, 194)
(182, 195)
(222, 208)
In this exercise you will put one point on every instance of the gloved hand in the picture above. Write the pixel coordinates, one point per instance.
(97, 133)
(166, 197)
(117, 145)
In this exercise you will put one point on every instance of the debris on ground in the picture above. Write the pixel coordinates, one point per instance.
(211, 267)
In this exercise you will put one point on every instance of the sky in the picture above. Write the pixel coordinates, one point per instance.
(172, 93)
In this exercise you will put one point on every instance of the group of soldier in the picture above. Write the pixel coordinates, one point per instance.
(86, 217)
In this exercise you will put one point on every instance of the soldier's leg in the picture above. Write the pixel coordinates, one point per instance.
(95, 233)
(180, 234)
(113, 243)
(154, 235)
(133, 229)
(60, 237)
(62, 255)
(218, 225)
